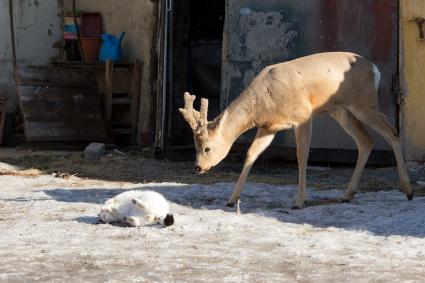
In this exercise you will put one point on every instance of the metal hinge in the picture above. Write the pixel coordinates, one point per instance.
(396, 89)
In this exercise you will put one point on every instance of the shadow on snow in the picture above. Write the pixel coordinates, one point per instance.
(381, 213)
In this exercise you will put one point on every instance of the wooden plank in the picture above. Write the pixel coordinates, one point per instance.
(108, 92)
(61, 84)
(73, 130)
(59, 103)
(120, 67)
(52, 94)
(135, 96)
(56, 77)
(62, 114)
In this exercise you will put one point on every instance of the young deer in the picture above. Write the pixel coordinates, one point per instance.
(288, 95)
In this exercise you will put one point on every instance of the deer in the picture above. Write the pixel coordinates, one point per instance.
(289, 95)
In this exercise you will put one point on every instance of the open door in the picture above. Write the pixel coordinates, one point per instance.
(190, 60)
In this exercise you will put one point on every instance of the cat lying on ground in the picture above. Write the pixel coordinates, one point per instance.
(137, 208)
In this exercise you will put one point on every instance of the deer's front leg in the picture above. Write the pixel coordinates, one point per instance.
(303, 137)
(261, 142)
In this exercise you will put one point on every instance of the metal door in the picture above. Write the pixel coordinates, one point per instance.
(259, 33)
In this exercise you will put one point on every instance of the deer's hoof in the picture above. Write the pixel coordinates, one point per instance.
(230, 204)
(348, 197)
(410, 196)
(295, 207)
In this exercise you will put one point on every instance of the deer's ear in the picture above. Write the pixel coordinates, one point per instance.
(221, 121)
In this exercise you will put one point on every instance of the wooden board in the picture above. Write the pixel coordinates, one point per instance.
(60, 105)
(55, 76)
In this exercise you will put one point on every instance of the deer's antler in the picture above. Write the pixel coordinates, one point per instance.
(198, 121)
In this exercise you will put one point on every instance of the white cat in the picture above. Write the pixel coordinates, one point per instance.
(137, 208)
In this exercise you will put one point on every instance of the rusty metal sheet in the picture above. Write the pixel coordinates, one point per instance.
(259, 33)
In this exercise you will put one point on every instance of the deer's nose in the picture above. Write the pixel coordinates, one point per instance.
(197, 168)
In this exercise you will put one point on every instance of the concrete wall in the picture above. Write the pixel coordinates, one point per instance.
(136, 18)
(38, 34)
(412, 68)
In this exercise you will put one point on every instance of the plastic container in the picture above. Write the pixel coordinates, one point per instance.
(111, 47)
(69, 28)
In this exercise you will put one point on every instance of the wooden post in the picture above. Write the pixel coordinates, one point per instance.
(109, 75)
(135, 94)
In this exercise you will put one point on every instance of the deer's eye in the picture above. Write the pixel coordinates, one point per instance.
(207, 149)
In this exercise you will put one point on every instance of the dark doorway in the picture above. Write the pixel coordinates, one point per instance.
(197, 38)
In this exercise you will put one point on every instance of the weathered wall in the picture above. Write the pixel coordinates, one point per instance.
(259, 33)
(135, 17)
(412, 68)
(37, 32)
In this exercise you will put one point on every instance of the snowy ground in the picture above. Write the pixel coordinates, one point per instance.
(48, 233)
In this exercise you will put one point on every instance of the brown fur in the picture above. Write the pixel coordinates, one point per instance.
(288, 95)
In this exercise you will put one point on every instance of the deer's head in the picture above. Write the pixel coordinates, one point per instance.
(211, 145)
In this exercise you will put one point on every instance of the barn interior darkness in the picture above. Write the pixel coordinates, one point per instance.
(197, 37)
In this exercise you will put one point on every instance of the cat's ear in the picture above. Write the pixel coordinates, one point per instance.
(138, 203)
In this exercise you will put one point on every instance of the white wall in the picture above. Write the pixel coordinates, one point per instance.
(38, 31)
(37, 35)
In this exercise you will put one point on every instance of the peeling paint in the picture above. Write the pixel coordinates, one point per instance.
(37, 28)
(256, 34)
(260, 33)
(263, 34)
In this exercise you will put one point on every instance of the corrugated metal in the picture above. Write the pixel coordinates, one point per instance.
(259, 33)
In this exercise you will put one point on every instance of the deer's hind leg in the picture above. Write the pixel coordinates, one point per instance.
(364, 143)
(378, 122)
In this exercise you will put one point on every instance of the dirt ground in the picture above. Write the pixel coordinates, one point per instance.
(49, 201)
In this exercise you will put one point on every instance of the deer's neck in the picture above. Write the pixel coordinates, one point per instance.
(240, 117)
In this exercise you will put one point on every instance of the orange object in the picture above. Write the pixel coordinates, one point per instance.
(91, 47)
